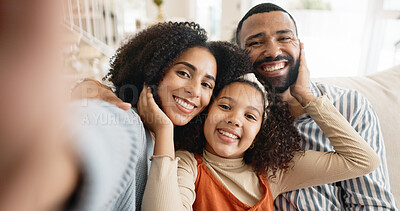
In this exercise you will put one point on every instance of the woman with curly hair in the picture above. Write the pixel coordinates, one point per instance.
(180, 66)
(250, 151)
(157, 55)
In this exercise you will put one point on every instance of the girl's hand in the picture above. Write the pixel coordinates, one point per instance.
(152, 116)
(158, 123)
(301, 88)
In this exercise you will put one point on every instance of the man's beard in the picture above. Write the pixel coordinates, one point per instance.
(282, 83)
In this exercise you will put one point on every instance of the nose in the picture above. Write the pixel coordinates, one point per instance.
(234, 119)
(194, 90)
(272, 49)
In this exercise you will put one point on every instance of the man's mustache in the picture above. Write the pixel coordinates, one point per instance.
(271, 59)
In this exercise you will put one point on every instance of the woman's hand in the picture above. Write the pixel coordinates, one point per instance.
(301, 88)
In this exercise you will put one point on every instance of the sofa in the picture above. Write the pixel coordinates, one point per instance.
(382, 89)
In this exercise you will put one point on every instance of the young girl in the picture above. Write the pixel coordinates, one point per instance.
(247, 159)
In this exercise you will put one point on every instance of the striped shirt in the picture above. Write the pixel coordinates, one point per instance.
(370, 192)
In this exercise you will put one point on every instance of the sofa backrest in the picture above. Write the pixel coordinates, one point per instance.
(382, 89)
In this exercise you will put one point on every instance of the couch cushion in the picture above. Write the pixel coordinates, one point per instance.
(382, 89)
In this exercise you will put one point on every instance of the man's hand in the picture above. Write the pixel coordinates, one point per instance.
(301, 88)
(89, 89)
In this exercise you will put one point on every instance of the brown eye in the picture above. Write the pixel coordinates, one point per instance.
(224, 107)
(249, 116)
(254, 43)
(183, 73)
(285, 39)
(207, 85)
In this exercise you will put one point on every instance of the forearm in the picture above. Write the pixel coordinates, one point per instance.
(87, 89)
(164, 142)
(162, 188)
(93, 89)
(353, 157)
(343, 137)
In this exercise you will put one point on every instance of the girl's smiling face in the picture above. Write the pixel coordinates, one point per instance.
(187, 86)
(234, 120)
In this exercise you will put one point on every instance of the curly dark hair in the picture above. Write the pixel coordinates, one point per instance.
(145, 57)
(232, 62)
(275, 143)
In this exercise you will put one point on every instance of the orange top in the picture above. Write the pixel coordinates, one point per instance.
(211, 194)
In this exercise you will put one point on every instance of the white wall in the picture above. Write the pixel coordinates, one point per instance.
(351, 38)
(230, 18)
(173, 10)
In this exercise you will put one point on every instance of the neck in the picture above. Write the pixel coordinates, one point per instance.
(295, 107)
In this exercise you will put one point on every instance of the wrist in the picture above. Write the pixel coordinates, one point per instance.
(166, 130)
(164, 142)
(304, 98)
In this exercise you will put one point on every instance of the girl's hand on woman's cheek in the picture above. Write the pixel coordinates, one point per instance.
(152, 116)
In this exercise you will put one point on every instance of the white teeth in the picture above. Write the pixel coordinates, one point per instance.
(183, 103)
(230, 135)
(273, 68)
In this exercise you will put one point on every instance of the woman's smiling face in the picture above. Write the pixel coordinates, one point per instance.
(234, 120)
(187, 85)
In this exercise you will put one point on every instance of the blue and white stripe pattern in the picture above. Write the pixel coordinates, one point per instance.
(370, 192)
(115, 149)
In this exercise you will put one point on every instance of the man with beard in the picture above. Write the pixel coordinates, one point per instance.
(269, 34)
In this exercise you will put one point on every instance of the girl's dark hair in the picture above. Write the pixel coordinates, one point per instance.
(275, 143)
(145, 57)
(232, 62)
(277, 140)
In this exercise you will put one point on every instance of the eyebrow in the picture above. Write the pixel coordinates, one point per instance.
(254, 109)
(195, 69)
(188, 65)
(254, 36)
(284, 31)
(228, 98)
(250, 107)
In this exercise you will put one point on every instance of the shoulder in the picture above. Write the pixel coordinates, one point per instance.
(105, 113)
(109, 142)
(105, 118)
(109, 136)
(349, 102)
(338, 94)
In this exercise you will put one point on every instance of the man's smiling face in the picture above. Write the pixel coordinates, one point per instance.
(271, 41)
